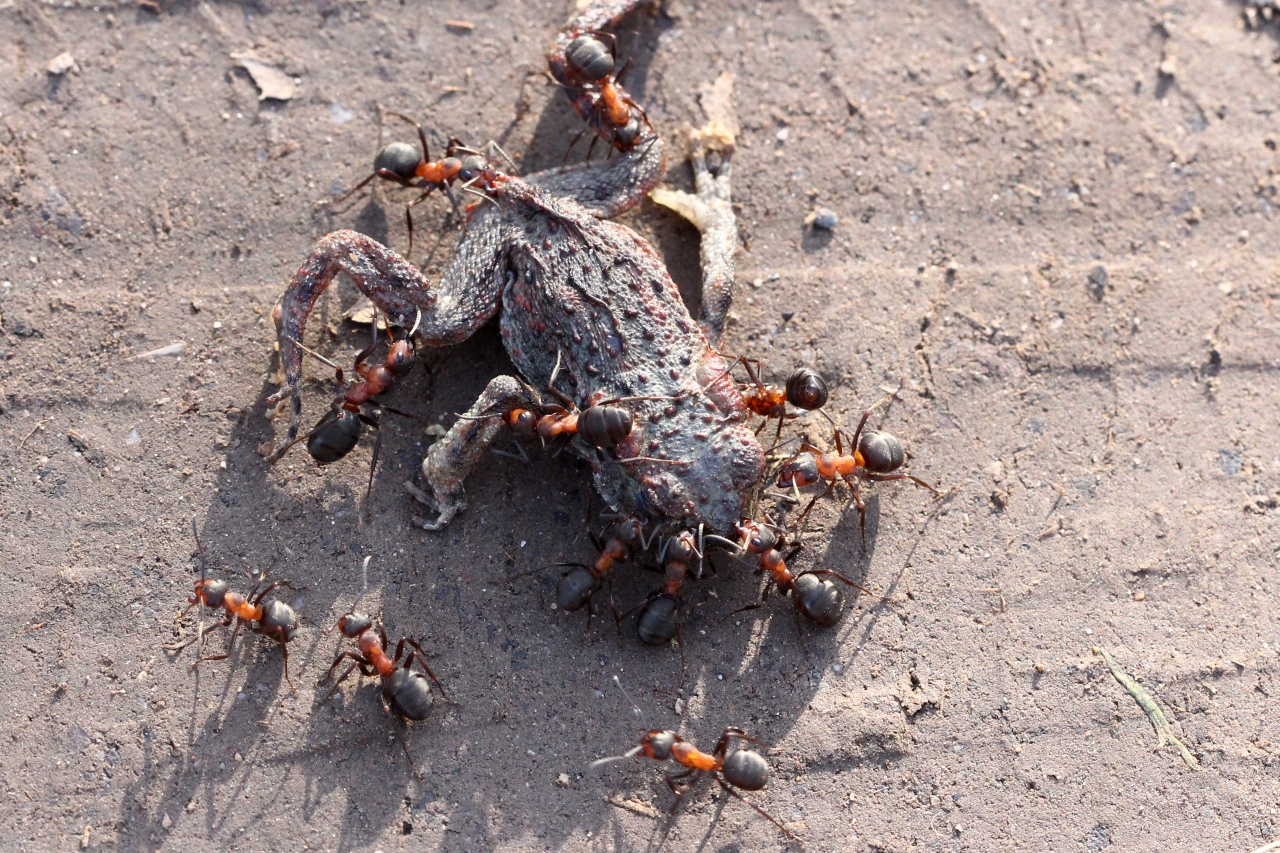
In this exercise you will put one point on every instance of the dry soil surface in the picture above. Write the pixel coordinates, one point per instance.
(1056, 230)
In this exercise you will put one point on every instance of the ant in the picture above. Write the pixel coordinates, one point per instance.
(804, 389)
(742, 768)
(340, 429)
(407, 692)
(874, 456)
(602, 425)
(400, 163)
(275, 619)
(585, 65)
(820, 600)
(658, 622)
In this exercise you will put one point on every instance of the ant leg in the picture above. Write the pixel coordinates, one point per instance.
(731, 733)
(420, 657)
(764, 814)
(884, 478)
(408, 218)
(230, 644)
(404, 744)
(683, 774)
(862, 511)
(878, 403)
(373, 466)
(360, 661)
(812, 501)
(284, 651)
(201, 633)
(318, 357)
(254, 601)
(839, 577)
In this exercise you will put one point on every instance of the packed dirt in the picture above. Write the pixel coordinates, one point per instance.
(1056, 230)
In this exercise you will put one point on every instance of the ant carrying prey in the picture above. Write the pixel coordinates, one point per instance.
(274, 619)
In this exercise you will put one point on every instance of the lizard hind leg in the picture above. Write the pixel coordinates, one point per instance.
(453, 457)
(710, 208)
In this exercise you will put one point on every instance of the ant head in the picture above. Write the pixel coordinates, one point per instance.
(657, 744)
(399, 356)
(211, 592)
(801, 471)
(881, 452)
(806, 389)
(591, 58)
(398, 158)
(681, 548)
(354, 624)
(757, 538)
(629, 532)
(628, 134)
(475, 166)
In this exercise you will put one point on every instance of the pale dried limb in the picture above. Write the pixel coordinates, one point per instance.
(1159, 721)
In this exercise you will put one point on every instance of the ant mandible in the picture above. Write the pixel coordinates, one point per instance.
(874, 456)
(275, 619)
(742, 768)
(405, 691)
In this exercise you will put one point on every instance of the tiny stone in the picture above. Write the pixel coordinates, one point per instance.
(563, 780)
(1139, 596)
(823, 218)
(167, 822)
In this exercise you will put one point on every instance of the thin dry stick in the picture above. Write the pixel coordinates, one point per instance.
(1159, 721)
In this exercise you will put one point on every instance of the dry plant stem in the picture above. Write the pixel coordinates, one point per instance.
(1159, 721)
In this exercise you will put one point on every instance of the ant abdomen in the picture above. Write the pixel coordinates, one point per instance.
(820, 600)
(279, 618)
(590, 57)
(604, 426)
(400, 159)
(806, 389)
(409, 694)
(575, 588)
(335, 436)
(656, 624)
(881, 452)
(802, 471)
(746, 769)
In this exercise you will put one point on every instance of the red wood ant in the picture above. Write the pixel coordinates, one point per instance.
(875, 456)
(274, 619)
(601, 426)
(406, 692)
(658, 622)
(742, 768)
(820, 600)
(804, 389)
(584, 64)
(338, 432)
(400, 163)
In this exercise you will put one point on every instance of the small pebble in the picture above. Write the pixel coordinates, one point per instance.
(823, 218)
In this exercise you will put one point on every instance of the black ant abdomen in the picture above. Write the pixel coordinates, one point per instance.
(335, 436)
(409, 694)
(806, 389)
(279, 621)
(604, 426)
(576, 587)
(881, 452)
(746, 769)
(400, 159)
(656, 624)
(590, 57)
(820, 600)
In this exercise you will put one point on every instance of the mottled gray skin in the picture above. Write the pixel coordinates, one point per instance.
(591, 295)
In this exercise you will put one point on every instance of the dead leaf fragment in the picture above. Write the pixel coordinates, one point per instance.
(717, 102)
(271, 81)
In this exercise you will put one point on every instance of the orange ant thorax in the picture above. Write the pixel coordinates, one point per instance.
(687, 754)
(767, 401)
(613, 551)
(441, 171)
(615, 105)
(236, 603)
(371, 648)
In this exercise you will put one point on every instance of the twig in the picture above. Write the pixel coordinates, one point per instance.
(34, 430)
(1159, 721)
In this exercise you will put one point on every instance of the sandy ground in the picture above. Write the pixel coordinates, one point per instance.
(1057, 231)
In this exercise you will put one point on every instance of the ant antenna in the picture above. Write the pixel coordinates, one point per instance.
(634, 706)
(416, 323)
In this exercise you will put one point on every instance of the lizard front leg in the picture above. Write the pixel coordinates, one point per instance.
(468, 295)
(452, 457)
